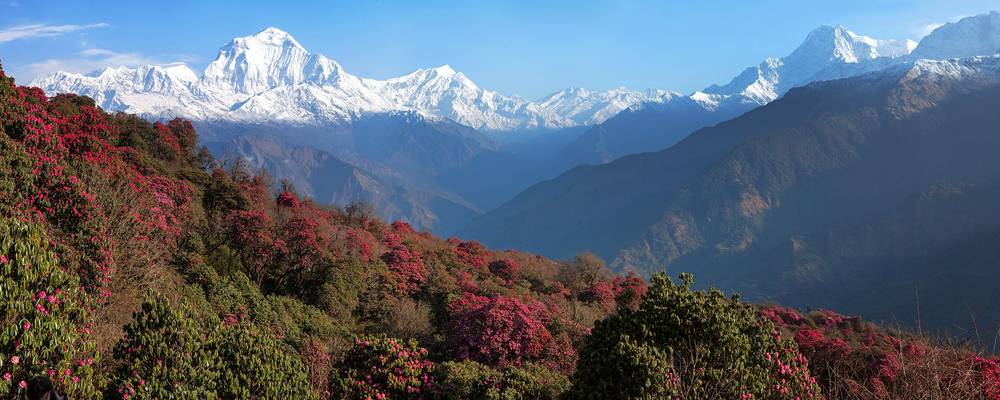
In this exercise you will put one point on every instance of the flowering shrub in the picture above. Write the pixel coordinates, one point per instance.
(407, 266)
(46, 331)
(177, 138)
(507, 269)
(471, 253)
(602, 293)
(629, 290)
(307, 236)
(989, 374)
(252, 233)
(843, 348)
(690, 344)
(287, 199)
(503, 331)
(384, 368)
(402, 228)
(39, 180)
(164, 354)
(359, 243)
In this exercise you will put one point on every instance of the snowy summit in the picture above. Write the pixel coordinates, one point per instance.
(270, 77)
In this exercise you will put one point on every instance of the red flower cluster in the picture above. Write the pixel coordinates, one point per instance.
(790, 373)
(848, 355)
(504, 331)
(471, 253)
(287, 199)
(252, 233)
(989, 372)
(407, 266)
(507, 269)
(620, 292)
(402, 228)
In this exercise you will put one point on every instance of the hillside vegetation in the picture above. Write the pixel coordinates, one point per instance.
(137, 266)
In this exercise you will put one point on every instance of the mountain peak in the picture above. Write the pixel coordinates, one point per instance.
(825, 33)
(826, 48)
(445, 70)
(267, 59)
(836, 43)
(270, 36)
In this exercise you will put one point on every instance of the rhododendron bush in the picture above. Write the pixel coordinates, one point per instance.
(407, 266)
(384, 368)
(166, 354)
(500, 330)
(682, 343)
(46, 330)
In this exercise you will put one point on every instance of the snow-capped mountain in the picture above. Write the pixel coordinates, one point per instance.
(970, 36)
(824, 48)
(270, 77)
(586, 107)
(828, 52)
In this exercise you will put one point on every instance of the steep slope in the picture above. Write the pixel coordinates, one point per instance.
(822, 198)
(645, 127)
(885, 180)
(532, 219)
(399, 161)
(329, 180)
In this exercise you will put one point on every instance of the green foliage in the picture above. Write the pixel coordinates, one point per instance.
(472, 380)
(167, 354)
(164, 354)
(237, 299)
(691, 344)
(259, 367)
(45, 330)
(15, 175)
(340, 289)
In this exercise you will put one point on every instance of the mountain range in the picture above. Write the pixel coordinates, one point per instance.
(270, 77)
(433, 147)
(268, 89)
(861, 192)
(418, 135)
(828, 52)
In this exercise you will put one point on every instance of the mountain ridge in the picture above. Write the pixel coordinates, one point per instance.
(827, 52)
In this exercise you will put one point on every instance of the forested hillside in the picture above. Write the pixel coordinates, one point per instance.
(872, 195)
(137, 266)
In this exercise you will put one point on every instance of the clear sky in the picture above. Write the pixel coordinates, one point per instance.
(530, 48)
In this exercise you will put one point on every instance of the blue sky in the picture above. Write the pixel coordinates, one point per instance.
(529, 48)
